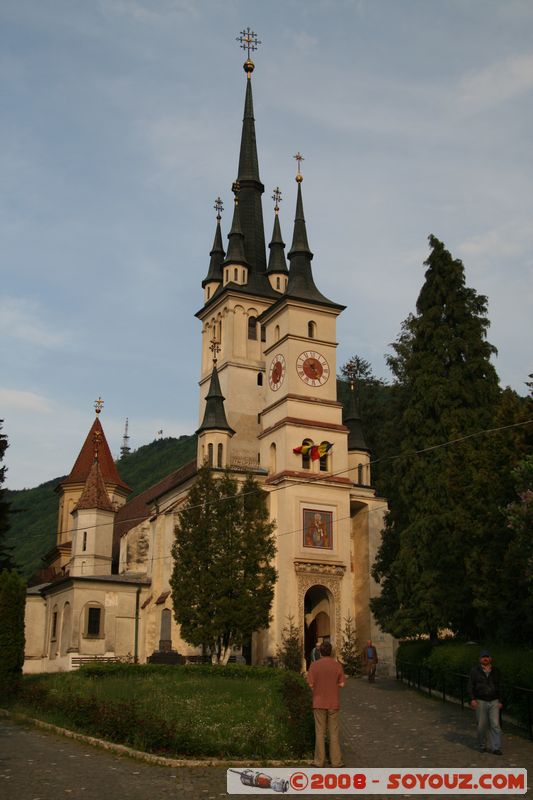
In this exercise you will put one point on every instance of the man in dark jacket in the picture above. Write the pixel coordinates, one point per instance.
(484, 689)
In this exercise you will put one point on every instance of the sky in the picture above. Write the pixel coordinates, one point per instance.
(120, 124)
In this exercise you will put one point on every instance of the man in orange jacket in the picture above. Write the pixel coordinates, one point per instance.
(326, 677)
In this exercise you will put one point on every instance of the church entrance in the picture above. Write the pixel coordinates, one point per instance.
(318, 612)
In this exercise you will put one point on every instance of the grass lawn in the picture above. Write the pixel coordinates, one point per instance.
(239, 712)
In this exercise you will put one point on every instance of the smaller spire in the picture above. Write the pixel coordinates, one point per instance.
(94, 493)
(236, 253)
(276, 261)
(214, 273)
(215, 414)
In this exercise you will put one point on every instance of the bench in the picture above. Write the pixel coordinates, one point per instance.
(78, 661)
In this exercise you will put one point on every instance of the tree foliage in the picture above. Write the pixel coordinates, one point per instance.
(6, 552)
(223, 579)
(12, 603)
(289, 652)
(446, 389)
(350, 652)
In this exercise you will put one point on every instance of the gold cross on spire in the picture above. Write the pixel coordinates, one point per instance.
(299, 158)
(219, 208)
(248, 40)
(98, 405)
(276, 197)
(215, 349)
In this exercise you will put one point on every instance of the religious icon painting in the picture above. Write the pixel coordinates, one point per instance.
(318, 528)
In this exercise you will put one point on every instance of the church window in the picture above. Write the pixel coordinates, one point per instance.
(208, 292)
(210, 454)
(220, 456)
(259, 378)
(311, 329)
(94, 618)
(235, 274)
(276, 333)
(243, 276)
(273, 457)
(53, 635)
(226, 275)
(252, 328)
(306, 456)
(324, 463)
(278, 283)
(263, 333)
(360, 474)
(84, 543)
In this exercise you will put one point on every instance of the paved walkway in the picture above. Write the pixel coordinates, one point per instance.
(383, 725)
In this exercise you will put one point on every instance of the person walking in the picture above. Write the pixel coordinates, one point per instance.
(370, 660)
(484, 690)
(326, 677)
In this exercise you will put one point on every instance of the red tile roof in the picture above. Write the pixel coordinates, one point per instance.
(80, 471)
(94, 494)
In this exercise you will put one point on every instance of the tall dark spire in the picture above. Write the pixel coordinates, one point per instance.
(215, 414)
(276, 261)
(301, 284)
(251, 211)
(217, 253)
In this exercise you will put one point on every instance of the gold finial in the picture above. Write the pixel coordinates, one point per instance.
(276, 197)
(219, 208)
(96, 442)
(236, 188)
(248, 41)
(98, 405)
(215, 349)
(299, 158)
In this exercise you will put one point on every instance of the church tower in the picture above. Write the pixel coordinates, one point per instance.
(268, 404)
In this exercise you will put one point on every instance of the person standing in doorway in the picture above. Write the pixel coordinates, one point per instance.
(326, 677)
(484, 690)
(370, 660)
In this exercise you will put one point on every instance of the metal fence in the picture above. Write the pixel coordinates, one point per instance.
(448, 685)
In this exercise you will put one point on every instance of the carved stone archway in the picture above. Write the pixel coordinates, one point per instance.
(311, 573)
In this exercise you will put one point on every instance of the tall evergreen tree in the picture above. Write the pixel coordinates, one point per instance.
(223, 579)
(446, 389)
(6, 557)
(12, 603)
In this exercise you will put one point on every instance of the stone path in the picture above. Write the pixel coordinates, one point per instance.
(383, 725)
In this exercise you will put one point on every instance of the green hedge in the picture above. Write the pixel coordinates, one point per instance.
(450, 657)
(124, 720)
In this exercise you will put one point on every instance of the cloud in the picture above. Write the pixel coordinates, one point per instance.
(24, 401)
(496, 84)
(20, 320)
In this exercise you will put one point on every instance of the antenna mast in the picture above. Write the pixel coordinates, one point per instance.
(125, 449)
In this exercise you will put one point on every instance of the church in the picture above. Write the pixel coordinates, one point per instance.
(267, 406)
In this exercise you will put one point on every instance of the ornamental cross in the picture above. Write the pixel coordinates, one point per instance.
(219, 208)
(215, 349)
(276, 197)
(248, 40)
(299, 158)
(98, 405)
(96, 441)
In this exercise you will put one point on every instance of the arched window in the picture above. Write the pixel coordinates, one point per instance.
(210, 454)
(220, 456)
(208, 292)
(252, 328)
(84, 542)
(273, 459)
(276, 333)
(324, 463)
(263, 333)
(360, 474)
(306, 455)
(278, 283)
(259, 378)
(311, 329)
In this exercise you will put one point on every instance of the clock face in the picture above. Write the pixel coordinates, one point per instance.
(277, 372)
(312, 368)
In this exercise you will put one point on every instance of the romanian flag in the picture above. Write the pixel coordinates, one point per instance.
(316, 451)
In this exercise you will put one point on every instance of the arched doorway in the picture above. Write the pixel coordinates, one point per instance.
(318, 618)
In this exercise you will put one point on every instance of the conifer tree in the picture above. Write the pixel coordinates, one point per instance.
(223, 579)
(12, 602)
(446, 389)
(6, 558)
